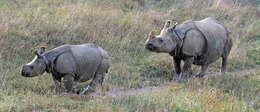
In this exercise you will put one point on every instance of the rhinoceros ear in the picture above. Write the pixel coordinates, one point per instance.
(172, 28)
(151, 35)
(167, 24)
(40, 51)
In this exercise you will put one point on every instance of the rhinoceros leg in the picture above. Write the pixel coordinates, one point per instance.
(224, 64)
(225, 54)
(177, 64)
(98, 79)
(68, 82)
(203, 70)
(186, 69)
(57, 82)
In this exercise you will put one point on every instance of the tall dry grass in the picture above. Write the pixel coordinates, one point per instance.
(121, 28)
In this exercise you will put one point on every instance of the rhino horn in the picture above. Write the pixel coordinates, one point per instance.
(172, 28)
(151, 35)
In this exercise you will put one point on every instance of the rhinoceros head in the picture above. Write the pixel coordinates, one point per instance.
(165, 42)
(37, 66)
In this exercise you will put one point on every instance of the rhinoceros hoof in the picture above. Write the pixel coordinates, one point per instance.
(200, 75)
(87, 91)
(76, 90)
(182, 80)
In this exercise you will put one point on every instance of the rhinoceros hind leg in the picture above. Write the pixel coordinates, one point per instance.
(224, 65)
(98, 79)
(87, 90)
(225, 54)
(203, 70)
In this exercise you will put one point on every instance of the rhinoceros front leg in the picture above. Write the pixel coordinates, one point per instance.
(68, 82)
(57, 83)
(186, 69)
(98, 79)
(177, 65)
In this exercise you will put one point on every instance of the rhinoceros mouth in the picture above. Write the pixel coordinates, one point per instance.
(150, 47)
(26, 74)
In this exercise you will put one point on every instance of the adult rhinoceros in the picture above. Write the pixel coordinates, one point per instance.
(194, 42)
(73, 63)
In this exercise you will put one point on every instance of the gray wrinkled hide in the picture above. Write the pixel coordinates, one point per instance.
(72, 63)
(83, 61)
(216, 36)
(194, 42)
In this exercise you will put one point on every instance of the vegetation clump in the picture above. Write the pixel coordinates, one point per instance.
(121, 28)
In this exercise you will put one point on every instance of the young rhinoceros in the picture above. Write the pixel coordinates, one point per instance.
(73, 63)
(194, 42)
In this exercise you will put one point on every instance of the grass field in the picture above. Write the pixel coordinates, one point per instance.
(121, 27)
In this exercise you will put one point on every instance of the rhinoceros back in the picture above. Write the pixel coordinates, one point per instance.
(88, 57)
(216, 36)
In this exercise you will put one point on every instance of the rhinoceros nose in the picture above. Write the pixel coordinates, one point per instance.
(149, 46)
(23, 71)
